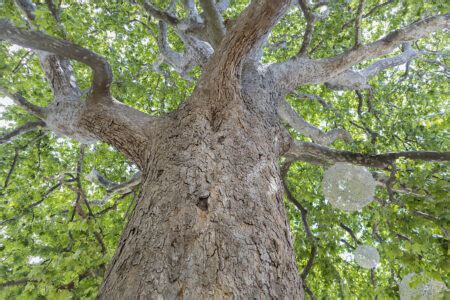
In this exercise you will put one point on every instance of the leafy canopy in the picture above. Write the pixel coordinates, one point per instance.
(49, 250)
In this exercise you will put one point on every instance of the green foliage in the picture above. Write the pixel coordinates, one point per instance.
(44, 240)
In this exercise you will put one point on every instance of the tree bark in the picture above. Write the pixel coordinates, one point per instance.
(210, 222)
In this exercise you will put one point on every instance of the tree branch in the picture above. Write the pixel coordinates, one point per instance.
(303, 213)
(19, 100)
(11, 169)
(160, 15)
(314, 98)
(54, 10)
(57, 69)
(358, 80)
(358, 18)
(21, 130)
(350, 231)
(214, 22)
(299, 70)
(196, 54)
(22, 281)
(290, 117)
(244, 37)
(27, 7)
(371, 11)
(39, 41)
(310, 20)
(111, 187)
(37, 203)
(314, 153)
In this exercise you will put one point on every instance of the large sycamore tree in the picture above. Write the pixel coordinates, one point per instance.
(175, 149)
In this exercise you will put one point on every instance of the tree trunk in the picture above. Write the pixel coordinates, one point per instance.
(210, 222)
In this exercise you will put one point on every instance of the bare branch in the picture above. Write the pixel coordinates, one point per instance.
(310, 19)
(299, 70)
(11, 168)
(39, 41)
(407, 54)
(57, 69)
(350, 231)
(196, 54)
(160, 15)
(112, 188)
(214, 22)
(21, 130)
(314, 98)
(59, 74)
(289, 116)
(340, 63)
(314, 153)
(303, 213)
(24, 103)
(368, 14)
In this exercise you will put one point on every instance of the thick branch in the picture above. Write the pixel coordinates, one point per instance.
(20, 130)
(358, 19)
(289, 116)
(244, 37)
(39, 41)
(57, 69)
(299, 70)
(191, 7)
(160, 15)
(214, 22)
(196, 54)
(358, 80)
(400, 59)
(314, 153)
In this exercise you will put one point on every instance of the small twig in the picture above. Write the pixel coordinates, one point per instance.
(11, 169)
(303, 213)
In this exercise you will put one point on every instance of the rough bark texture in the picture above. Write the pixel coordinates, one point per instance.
(210, 223)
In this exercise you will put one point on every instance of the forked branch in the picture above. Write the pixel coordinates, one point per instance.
(112, 188)
(10, 136)
(39, 41)
(299, 70)
(246, 35)
(290, 117)
(24, 103)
